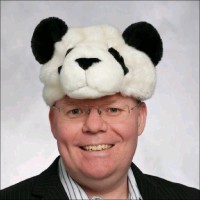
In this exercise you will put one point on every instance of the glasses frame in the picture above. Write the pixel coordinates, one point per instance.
(60, 109)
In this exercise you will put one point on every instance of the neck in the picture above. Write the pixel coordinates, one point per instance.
(113, 191)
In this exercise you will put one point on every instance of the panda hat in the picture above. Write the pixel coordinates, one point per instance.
(96, 61)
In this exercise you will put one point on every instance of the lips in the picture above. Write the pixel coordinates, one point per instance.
(99, 147)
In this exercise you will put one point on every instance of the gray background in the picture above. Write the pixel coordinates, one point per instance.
(169, 146)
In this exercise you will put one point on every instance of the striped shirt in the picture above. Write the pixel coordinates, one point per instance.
(74, 190)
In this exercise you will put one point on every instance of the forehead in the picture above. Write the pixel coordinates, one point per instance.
(102, 100)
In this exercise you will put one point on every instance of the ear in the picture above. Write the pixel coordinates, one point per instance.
(142, 118)
(46, 34)
(144, 37)
(52, 121)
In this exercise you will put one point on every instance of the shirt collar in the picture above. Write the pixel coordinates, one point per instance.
(74, 190)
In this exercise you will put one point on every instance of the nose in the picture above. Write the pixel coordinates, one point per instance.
(85, 63)
(94, 123)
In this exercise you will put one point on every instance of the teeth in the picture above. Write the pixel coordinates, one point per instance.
(99, 147)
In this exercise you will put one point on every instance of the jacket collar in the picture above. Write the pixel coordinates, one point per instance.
(148, 189)
(48, 185)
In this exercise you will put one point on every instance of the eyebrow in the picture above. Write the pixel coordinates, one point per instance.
(71, 102)
(68, 101)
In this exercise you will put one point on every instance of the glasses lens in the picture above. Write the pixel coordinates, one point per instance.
(114, 113)
(72, 112)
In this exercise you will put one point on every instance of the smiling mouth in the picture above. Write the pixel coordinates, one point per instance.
(99, 147)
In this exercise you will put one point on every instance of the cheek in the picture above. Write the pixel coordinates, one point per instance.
(66, 133)
(127, 130)
(128, 133)
(66, 141)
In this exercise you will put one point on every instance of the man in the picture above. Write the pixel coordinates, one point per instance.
(95, 80)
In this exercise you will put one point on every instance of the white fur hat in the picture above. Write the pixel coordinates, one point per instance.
(91, 62)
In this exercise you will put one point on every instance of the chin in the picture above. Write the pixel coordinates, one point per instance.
(98, 171)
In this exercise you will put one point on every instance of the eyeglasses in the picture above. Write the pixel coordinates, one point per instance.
(111, 113)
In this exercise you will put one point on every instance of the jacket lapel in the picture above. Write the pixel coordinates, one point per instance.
(147, 188)
(48, 185)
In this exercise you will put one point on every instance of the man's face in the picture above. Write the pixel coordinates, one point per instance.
(93, 149)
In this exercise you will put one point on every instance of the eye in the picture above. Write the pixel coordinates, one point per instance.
(113, 111)
(68, 51)
(59, 69)
(71, 111)
(75, 111)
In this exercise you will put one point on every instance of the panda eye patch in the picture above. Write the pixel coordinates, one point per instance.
(59, 69)
(119, 59)
(68, 51)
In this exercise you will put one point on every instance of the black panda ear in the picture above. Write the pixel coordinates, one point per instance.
(144, 37)
(46, 34)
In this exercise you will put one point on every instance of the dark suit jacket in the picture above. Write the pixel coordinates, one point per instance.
(47, 186)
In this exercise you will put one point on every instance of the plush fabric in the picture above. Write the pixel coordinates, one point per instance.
(47, 185)
(44, 37)
(126, 61)
(136, 35)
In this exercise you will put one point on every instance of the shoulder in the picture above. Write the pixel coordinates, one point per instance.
(159, 188)
(176, 190)
(36, 186)
(21, 190)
